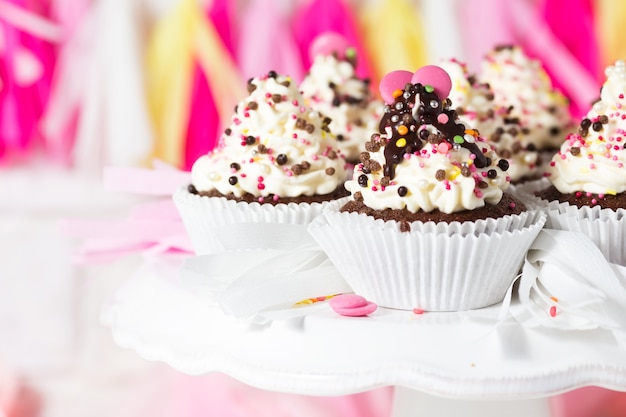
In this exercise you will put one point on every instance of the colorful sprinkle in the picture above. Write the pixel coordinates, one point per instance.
(401, 143)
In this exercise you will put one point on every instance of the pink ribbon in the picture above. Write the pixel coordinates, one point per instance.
(153, 228)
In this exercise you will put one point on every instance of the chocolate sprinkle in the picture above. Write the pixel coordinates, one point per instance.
(232, 180)
(281, 159)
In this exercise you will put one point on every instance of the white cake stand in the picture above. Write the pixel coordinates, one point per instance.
(449, 363)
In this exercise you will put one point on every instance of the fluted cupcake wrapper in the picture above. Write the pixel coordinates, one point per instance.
(434, 267)
(216, 224)
(605, 227)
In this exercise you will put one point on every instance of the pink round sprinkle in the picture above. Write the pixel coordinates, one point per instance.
(261, 186)
(444, 147)
(418, 311)
(351, 305)
(442, 118)
(553, 311)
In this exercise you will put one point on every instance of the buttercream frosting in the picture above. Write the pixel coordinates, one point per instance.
(521, 82)
(333, 88)
(592, 160)
(275, 146)
(476, 106)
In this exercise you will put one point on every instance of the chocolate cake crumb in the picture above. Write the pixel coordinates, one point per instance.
(507, 206)
(269, 199)
(582, 199)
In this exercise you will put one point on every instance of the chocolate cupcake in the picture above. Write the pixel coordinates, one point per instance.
(429, 213)
(476, 106)
(332, 87)
(275, 164)
(521, 83)
(585, 185)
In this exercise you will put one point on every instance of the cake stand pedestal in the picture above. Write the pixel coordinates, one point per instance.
(453, 364)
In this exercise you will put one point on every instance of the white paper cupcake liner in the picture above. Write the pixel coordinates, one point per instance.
(217, 224)
(605, 227)
(435, 267)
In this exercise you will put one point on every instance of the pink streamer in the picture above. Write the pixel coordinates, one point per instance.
(222, 14)
(572, 22)
(26, 65)
(153, 228)
(538, 40)
(318, 16)
(488, 28)
(268, 49)
(204, 122)
(162, 181)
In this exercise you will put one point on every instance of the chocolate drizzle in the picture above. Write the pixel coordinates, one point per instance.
(401, 124)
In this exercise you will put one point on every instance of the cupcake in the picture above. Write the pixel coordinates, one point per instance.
(475, 104)
(585, 185)
(521, 82)
(429, 213)
(276, 163)
(333, 88)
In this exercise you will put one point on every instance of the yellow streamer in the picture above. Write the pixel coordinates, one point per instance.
(392, 36)
(611, 31)
(177, 42)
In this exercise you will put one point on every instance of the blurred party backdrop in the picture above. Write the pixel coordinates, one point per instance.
(133, 84)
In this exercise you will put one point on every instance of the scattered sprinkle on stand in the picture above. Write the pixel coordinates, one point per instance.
(553, 311)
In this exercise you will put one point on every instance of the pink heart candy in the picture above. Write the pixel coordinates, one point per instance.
(395, 80)
(327, 43)
(352, 305)
(436, 77)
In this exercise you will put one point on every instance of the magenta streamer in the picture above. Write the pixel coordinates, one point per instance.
(204, 122)
(222, 14)
(572, 21)
(26, 65)
(318, 16)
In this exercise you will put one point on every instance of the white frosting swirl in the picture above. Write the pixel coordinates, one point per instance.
(521, 82)
(462, 186)
(332, 88)
(275, 146)
(594, 162)
(477, 107)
